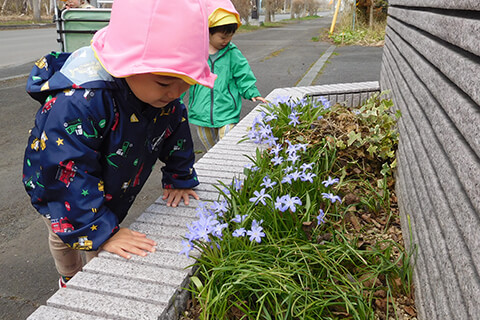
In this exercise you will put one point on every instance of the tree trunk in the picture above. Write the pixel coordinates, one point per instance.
(24, 9)
(3, 6)
(36, 11)
(268, 10)
(370, 18)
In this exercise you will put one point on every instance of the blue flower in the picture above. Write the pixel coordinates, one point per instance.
(291, 149)
(321, 217)
(270, 117)
(290, 202)
(330, 181)
(226, 191)
(256, 233)
(239, 219)
(287, 179)
(251, 167)
(277, 160)
(267, 182)
(288, 169)
(308, 176)
(293, 158)
(281, 99)
(219, 207)
(237, 184)
(276, 149)
(240, 232)
(295, 175)
(271, 140)
(286, 202)
(217, 229)
(279, 203)
(260, 197)
(325, 102)
(301, 146)
(265, 131)
(331, 197)
(293, 119)
(253, 135)
(306, 166)
(187, 247)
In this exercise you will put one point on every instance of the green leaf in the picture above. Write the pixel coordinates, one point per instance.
(197, 282)
(352, 137)
(372, 149)
(308, 203)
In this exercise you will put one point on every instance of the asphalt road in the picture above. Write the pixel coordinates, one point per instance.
(279, 57)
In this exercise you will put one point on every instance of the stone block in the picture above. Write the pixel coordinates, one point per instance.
(51, 313)
(131, 289)
(438, 4)
(104, 305)
(164, 219)
(460, 31)
(184, 211)
(131, 269)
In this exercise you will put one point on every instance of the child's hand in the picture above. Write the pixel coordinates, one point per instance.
(255, 99)
(173, 196)
(127, 241)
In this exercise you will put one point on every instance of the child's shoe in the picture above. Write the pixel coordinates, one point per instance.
(62, 282)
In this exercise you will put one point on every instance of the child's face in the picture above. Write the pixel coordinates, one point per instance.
(156, 90)
(220, 40)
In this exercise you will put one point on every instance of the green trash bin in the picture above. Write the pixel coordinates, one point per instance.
(76, 27)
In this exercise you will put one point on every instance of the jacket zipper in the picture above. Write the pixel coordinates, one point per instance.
(211, 90)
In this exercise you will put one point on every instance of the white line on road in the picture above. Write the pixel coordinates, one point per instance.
(308, 79)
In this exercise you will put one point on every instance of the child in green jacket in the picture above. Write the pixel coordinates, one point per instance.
(216, 111)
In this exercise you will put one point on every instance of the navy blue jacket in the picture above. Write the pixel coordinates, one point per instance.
(94, 145)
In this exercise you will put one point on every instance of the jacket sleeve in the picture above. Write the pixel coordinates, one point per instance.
(243, 75)
(177, 154)
(65, 148)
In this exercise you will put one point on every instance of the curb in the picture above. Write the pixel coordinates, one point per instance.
(27, 26)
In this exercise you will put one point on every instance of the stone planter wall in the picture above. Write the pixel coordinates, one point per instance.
(431, 64)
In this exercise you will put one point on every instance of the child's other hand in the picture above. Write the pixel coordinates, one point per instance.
(174, 196)
(255, 99)
(127, 241)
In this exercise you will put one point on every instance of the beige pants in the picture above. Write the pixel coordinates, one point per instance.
(210, 136)
(67, 260)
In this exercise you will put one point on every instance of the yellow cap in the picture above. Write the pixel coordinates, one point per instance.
(221, 17)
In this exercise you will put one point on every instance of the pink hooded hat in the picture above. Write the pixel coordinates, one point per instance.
(217, 10)
(167, 37)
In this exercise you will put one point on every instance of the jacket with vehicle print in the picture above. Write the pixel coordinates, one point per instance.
(221, 105)
(94, 145)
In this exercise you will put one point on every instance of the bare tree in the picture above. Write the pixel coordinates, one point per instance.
(298, 7)
(244, 8)
(4, 5)
(37, 17)
(311, 6)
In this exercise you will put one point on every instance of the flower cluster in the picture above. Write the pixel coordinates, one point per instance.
(211, 224)
(283, 178)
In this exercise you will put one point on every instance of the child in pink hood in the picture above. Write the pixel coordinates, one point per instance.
(109, 111)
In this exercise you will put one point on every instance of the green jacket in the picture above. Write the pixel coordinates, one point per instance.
(221, 105)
